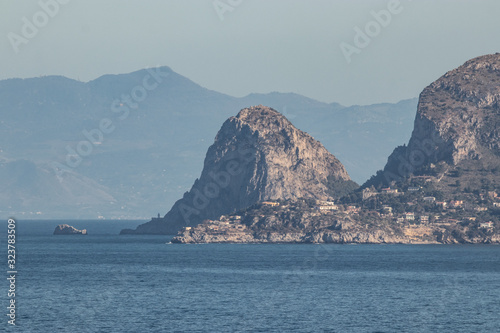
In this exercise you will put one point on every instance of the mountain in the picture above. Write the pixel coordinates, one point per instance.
(456, 132)
(30, 185)
(361, 136)
(129, 145)
(257, 155)
(443, 187)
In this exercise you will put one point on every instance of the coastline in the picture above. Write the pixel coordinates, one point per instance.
(194, 237)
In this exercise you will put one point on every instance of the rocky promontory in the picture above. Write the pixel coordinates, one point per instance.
(314, 221)
(443, 187)
(65, 229)
(456, 130)
(257, 155)
(294, 221)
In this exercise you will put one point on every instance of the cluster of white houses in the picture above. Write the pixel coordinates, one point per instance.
(323, 205)
(411, 218)
(224, 225)
(229, 224)
(327, 206)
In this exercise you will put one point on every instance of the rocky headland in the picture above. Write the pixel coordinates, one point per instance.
(456, 130)
(443, 187)
(310, 221)
(257, 155)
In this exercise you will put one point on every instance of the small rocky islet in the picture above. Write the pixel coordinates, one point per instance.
(66, 229)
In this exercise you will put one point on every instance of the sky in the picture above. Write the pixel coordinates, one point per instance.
(349, 52)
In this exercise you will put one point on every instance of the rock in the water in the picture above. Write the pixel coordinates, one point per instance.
(257, 155)
(65, 229)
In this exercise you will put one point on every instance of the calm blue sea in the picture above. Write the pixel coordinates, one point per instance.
(109, 283)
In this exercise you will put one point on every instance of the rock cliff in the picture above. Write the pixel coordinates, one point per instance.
(257, 155)
(456, 126)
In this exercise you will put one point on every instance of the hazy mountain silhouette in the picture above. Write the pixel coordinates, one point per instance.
(154, 145)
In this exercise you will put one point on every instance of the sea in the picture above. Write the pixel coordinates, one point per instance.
(103, 282)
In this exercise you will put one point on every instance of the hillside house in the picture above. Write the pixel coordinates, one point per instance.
(389, 190)
(442, 204)
(327, 208)
(352, 209)
(409, 216)
(270, 203)
(456, 203)
(213, 227)
(325, 203)
(486, 225)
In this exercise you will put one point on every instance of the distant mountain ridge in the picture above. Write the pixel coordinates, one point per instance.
(257, 155)
(152, 155)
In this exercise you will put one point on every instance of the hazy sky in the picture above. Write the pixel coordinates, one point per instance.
(250, 46)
